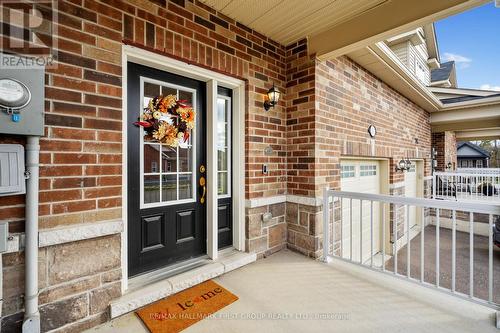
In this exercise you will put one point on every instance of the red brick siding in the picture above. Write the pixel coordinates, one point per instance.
(82, 149)
(445, 144)
(347, 99)
(300, 95)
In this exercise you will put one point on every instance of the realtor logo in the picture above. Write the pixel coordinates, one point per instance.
(28, 31)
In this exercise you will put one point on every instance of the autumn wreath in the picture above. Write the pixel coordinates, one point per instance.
(167, 120)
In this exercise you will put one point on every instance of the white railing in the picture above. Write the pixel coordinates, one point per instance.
(372, 230)
(486, 171)
(466, 186)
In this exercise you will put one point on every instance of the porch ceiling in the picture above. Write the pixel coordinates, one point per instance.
(287, 21)
(336, 27)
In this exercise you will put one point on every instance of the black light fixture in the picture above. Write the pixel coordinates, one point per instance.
(273, 97)
(408, 164)
(403, 165)
(449, 166)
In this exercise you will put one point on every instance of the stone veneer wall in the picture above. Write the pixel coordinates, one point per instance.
(77, 281)
(266, 238)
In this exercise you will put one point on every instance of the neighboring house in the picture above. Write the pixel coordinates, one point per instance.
(445, 75)
(417, 49)
(470, 155)
(99, 230)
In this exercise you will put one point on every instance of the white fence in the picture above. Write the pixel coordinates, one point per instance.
(484, 171)
(466, 186)
(346, 232)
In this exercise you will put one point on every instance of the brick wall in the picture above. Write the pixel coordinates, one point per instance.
(300, 110)
(347, 99)
(81, 154)
(445, 144)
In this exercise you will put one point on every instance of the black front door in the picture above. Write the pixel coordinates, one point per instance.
(166, 219)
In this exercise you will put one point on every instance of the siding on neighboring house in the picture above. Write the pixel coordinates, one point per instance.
(401, 51)
(418, 62)
(415, 58)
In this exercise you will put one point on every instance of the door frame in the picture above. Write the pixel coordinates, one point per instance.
(213, 80)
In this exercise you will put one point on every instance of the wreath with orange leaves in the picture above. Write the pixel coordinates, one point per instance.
(167, 120)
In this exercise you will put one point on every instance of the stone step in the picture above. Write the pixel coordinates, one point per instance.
(152, 292)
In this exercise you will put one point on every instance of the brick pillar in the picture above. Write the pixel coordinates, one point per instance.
(445, 144)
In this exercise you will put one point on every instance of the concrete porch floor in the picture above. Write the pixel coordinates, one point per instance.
(287, 283)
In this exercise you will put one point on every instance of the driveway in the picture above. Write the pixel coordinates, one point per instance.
(462, 262)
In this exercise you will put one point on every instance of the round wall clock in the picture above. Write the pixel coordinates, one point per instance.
(372, 131)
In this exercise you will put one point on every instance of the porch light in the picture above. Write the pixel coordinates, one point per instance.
(408, 164)
(273, 97)
(448, 166)
(403, 165)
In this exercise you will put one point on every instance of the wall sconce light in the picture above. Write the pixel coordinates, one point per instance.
(449, 166)
(273, 97)
(403, 165)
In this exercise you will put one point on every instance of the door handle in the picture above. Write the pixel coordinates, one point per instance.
(203, 183)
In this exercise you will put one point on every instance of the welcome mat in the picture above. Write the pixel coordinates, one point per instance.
(181, 310)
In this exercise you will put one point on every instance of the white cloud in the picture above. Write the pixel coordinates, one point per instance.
(460, 60)
(489, 87)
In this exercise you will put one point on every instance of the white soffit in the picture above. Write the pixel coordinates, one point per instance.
(287, 21)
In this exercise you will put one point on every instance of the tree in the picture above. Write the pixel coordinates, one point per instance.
(493, 147)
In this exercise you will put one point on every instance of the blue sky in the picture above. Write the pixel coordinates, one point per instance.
(472, 39)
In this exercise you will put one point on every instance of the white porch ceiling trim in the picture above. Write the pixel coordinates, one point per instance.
(484, 134)
(388, 19)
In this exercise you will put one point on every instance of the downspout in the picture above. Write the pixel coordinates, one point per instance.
(31, 322)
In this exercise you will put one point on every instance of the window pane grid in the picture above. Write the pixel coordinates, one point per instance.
(347, 171)
(368, 170)
(164, 177)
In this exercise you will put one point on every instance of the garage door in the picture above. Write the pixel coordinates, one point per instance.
(411, 191)
(364, 177)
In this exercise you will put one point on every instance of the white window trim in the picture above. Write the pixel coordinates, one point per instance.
(229, 151)
(213, 80)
